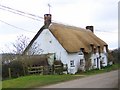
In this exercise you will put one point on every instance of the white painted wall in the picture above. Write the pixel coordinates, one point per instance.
(49, 44)
(76, 58)
(103, 58)
(94, 61)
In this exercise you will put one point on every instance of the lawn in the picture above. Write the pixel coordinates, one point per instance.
(41, 80)
(103, 70)
(36, 80)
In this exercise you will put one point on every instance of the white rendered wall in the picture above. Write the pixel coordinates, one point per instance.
(102, 57)
(76, 58)
(94, 61)
(49, 44)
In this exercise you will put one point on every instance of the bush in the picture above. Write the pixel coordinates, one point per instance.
(16, 69)
(5, 71)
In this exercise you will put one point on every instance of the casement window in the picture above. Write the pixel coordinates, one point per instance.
(81, 51)
(72, 63)
(94, 62)
(81, 62)
(103, 60)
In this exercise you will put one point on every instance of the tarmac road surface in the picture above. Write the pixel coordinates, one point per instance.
(105, 80)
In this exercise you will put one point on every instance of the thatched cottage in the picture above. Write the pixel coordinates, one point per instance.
(79, 48)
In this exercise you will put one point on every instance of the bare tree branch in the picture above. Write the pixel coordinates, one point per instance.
(20, 44)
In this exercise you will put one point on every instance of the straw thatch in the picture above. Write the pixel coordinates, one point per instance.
(71, 38)
(74, 38)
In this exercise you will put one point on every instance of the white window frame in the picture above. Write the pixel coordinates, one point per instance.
(81, 62)
(72, 63)
(94, 61)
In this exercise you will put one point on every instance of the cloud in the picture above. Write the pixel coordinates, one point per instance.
(107, 11)
(102, 14)
(110, 38)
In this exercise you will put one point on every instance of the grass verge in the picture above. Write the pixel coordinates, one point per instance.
(41, 80)
(36, 80)
(103, 70)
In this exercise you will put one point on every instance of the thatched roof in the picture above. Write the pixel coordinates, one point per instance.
(71, 38)
(74, 38)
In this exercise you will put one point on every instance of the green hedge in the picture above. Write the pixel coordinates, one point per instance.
(16, 69)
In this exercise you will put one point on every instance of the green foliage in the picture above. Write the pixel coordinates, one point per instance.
(5, 71)
(116, 55)
(16, 69)
(103, 70)
(36, 80)
(19, 67)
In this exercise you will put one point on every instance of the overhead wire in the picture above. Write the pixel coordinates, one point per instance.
(15, 11)
(22, 12)
(16, 26)
(105, 31)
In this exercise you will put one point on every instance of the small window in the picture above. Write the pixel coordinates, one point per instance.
(80, 53)
(81, 61)
(72, 63)
(94, 62)
(50, 41)
(102, 58)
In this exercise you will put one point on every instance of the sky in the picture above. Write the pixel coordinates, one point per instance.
(102, 14)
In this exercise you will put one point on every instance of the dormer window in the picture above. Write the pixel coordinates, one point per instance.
(99, 49)
(105, 48)
(81, 51)
(92, 47)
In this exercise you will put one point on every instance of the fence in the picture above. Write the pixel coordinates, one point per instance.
(58, 69)
(40, 70)
(35, 70)
(31, 65)
(55, 69)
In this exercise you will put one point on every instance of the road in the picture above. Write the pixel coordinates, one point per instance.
(105, 80)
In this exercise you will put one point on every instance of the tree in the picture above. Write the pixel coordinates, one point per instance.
(20, 44)
(116, 55)
(35, 49)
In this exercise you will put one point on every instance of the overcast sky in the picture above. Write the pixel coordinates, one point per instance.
(102, 14)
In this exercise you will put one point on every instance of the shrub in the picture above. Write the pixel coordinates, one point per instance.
(5, 71)
(16, 69)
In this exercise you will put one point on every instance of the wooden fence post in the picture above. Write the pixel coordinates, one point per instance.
(9, 72)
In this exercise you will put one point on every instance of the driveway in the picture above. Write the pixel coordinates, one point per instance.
(105, 80)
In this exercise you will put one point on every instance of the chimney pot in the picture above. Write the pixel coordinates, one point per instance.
(90, 28)
(47, 19)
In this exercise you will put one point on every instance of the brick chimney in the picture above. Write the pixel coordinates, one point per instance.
(90, 28)
(47, 19)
